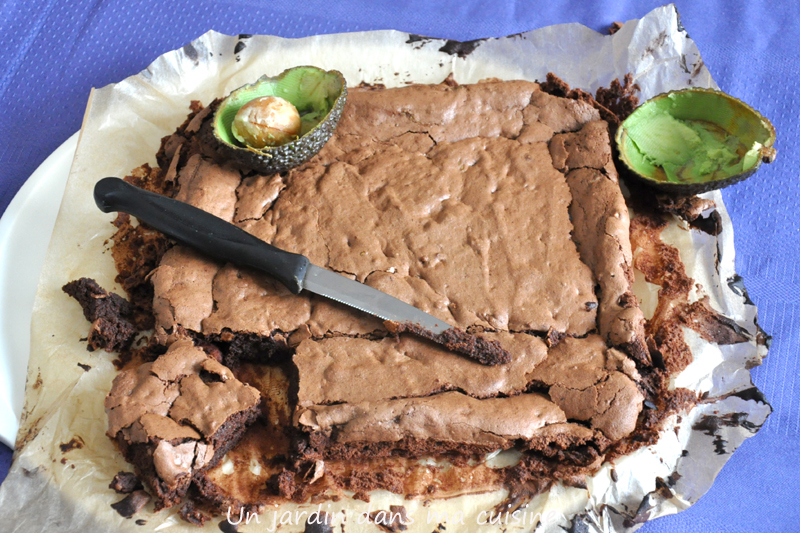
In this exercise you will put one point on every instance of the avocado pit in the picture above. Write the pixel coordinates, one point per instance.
(266, 121)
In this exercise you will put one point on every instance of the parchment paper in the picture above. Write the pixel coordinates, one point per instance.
(49, 489)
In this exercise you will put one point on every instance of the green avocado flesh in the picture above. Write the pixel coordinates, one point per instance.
(693, 137)
(312, 91)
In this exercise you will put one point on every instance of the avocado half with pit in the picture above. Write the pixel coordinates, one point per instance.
(694, 140)
(319, 97)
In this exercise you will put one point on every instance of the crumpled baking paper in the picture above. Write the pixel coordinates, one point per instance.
(64, 462)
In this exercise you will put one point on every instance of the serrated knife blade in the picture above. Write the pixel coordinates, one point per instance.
(367, 299)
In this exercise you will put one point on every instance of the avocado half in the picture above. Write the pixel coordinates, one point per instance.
(694, 140)
(319, 97)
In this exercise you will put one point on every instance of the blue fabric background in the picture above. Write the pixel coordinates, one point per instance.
(54, 52)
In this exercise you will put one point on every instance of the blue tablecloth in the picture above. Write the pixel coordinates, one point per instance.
(54, 52)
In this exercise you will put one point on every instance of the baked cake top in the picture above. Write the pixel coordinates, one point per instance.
(444, 197)
(493, 206)
(182, 395)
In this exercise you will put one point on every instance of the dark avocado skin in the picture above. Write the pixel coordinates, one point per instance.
(690, 189)
(284, 157)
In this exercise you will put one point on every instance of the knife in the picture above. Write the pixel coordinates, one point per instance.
(218, 238)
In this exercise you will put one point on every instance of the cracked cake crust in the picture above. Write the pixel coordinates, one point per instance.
(494, 206)
(177, 416)
(461, 200)
(355, 209)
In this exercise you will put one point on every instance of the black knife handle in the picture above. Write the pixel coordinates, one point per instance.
(200, 230)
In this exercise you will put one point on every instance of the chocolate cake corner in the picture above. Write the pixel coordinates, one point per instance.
(177, 417)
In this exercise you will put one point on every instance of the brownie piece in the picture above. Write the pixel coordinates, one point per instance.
(418, 426)
(125, 483)
(111, 315)
(602, 227)
(131, 504)
(359, 393)
(177, 416)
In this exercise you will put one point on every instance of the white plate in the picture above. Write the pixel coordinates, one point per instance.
(25, 230)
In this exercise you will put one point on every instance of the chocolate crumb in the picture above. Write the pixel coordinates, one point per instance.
(450, 81)
(712, 224)
(521, 494)
(73, 444)
(371, 86)
(614, 28)
(141, 522)
(227, 527)
(555, 86)
(125, 483)
(614, 475)
(619, 97)
(763, 338)
(131, 504)
(283, 484)
(663, 489)
(686, 207)
(690, 209)
(321, 523)
(192, 515)
(460, 48)
(711, 325)
(85, 368)
(483, 351)
(554, 337)
(614, 102)
(642, 513)
(109, 313)
(96, 301)
(391, 521)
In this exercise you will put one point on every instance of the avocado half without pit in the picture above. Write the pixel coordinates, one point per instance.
(694, 140)
(317, 95)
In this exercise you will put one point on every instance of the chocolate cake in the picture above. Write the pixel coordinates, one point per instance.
(495, 207)
(178, 416)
